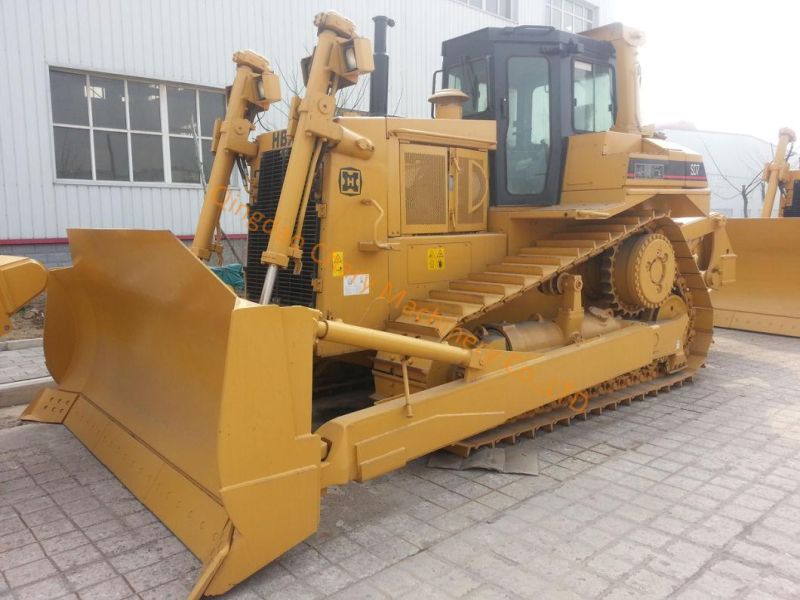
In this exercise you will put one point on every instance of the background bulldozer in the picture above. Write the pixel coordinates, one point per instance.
(21, 279)
(412, 284)
(766, 294)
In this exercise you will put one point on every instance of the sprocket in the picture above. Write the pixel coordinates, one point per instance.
(639, 274)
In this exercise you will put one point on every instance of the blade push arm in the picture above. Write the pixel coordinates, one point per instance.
(777, 171)
(339, 58)
(254, 89)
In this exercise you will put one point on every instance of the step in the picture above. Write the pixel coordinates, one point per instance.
(499, 277)
(466, 297)
(445, 307)
(542, 259)
(599, 236)
(644, 214)
(599, 228)
(537, 271)
(416, 330)
(441, 323)
(572, 243)
(485, 287)
(627, 220)
(551, 251)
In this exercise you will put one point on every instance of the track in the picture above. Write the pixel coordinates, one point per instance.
(445, 314)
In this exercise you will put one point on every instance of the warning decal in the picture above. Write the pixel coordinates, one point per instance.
(435, 259)
(338, 264)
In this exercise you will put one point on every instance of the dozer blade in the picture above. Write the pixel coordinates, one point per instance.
(766, 294)
(21, 280)
(199, 402)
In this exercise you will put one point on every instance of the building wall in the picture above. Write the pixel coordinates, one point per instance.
(184, 41)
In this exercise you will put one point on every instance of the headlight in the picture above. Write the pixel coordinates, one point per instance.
(350, 62)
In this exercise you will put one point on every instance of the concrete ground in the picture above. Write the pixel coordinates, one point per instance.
(22, 364)
(691, 494)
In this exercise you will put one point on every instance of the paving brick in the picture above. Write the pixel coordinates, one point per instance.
(92, 517)
(609, 566)
(456, 583)
(33, 504)
(103, 530)
(394, 581)
(774, 539)
(138, 519)
(29, 572)
(363, 564)
(329, 580)
(112, 589)
(680, 560)
(162, 572)
(719, 586)
(269, 581)
(52, 587)
(90, 575)
(20, 556)
(64, 542)
(302, 560)
(73, 494)
(497, 500)
(648, 537)
(46, 515)
(16, 539)
(781, 587)
(650, 584)
(147, 554)
(585, 583)
(360, 591)
(394, 550)
(179, 590)
(11, 525)
(76, 556)
(52, 529)
(6, 512)
(300, 591)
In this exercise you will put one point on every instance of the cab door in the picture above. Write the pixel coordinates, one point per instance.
(528, 155)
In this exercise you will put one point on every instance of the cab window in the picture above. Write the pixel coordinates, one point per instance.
(528, 135)
(472, 78)
(592, 96)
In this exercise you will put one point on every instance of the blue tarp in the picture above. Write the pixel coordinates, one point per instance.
(233, 275)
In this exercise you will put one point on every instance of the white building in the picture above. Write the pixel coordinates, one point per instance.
(103, 102)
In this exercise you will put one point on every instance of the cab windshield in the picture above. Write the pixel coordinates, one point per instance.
(472, 78)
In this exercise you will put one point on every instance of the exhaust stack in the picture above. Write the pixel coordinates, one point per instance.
(379, 80)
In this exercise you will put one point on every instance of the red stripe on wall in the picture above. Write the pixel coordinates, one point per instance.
(32, 241)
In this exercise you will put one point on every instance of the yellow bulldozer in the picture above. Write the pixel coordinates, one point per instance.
(513, 263)
(766, 294)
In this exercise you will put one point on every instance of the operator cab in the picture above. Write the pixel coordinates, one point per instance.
(541, 86)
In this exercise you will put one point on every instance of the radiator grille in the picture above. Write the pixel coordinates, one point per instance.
(425, 192)
(793, 210)
(290, 290)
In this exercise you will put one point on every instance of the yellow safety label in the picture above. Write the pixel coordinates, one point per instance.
(338, 264)
(435, 259)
